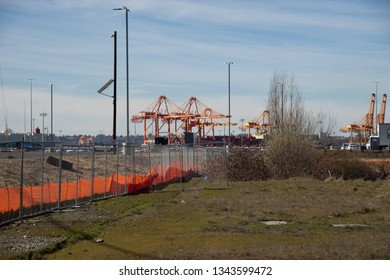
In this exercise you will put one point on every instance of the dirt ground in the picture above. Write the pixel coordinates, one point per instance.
(289, 219)
(10, 168)
(183, 221)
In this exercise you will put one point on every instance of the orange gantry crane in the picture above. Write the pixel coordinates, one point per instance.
(262, 124)
(202, 117)
(160, 114)
(360, 132)
(192, 114)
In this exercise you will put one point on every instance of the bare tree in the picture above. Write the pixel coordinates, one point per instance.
(286, 105)
(326, 123)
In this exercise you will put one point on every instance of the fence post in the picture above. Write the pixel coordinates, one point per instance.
(21, 179)
(150, 169)
(126, 149)
(134, 166)
(181, 155)
(228, 151)
(77, 175)
(162, 166)
(42, 179)
(92, 173)
(105, 170)
(59, 177)
(117, 169)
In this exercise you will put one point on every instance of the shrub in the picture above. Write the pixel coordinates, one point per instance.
(291, 155)
(346, 166)
(246, 165)
(237, 165)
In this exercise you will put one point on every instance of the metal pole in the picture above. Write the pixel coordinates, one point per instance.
(31, 121)
(127, 72)
(51, 115)
(228, 64)
(242, 130)
(92, 173)
(77, 175)
(21, 179)
(43, 115)
(150, 169)
(229, 97)
(376, 107)
(127, 78)
(117, 172)
(105, 170)
(59, 178)
(42, 175)
(114, 101)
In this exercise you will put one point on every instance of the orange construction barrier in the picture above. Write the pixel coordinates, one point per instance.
(70, 191)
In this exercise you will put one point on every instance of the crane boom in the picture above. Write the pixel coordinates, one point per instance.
(381, 116)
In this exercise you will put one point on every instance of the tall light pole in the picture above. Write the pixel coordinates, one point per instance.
(127, 72)
(31, 119)
(51, 114)
(114, 96)
(376, 107)
(43, 115)
(228, 64)
(106, 85)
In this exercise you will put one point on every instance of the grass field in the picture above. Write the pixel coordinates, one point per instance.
(316, 220)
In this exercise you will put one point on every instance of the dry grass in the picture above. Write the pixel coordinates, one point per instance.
(227, 224)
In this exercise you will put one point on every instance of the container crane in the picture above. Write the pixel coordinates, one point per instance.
(160, 113)
(360, 132)
(262, 124)
(194, 113)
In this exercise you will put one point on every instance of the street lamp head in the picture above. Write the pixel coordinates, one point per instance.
(230, 62)
(122, 9)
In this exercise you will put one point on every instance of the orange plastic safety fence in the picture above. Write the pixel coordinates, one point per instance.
(70, 191)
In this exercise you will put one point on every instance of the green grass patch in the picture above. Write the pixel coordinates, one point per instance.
(229, 223)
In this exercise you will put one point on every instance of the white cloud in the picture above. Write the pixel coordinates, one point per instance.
(177, 48)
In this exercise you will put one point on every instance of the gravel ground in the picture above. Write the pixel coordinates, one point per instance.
(22, 237)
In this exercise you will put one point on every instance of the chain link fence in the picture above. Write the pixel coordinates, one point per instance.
(49, 176)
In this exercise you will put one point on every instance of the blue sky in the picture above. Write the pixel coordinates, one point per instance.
(336, 50)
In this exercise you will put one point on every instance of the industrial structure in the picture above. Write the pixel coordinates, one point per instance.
(168, 122)
(262, 124)
(164, 122)
(360, 132)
